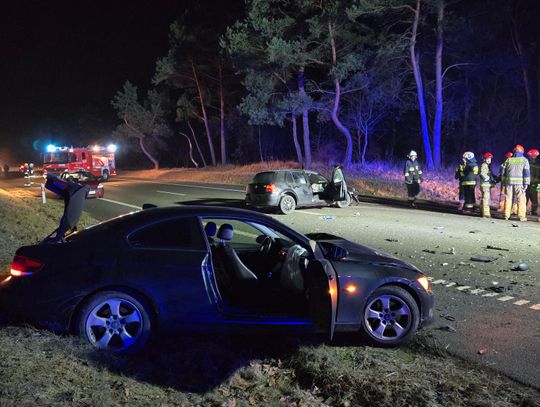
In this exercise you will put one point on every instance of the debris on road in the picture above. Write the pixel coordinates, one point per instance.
(475, 231)
(429, 251)
(448, 328)
(328, 217)
(482, 351)
(438, 227)
(497, 289)
(483, 259)
(521, 267)
(497, 248)
(391, 240)
(447, 317)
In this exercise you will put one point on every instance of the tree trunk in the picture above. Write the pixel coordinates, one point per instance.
(195, 163)
(366, 141)
(420, 89)
(196, 143)
(295, 140)
(204, 115)
(147, 153)
(524, 70)
(305, 120)
(347, 159)
(222, 118)
(439, 87)
(260, 144)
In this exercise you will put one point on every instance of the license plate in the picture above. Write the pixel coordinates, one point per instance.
(91, 192)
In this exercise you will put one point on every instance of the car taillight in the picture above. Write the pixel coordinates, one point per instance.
(23, 266)
(270, 188)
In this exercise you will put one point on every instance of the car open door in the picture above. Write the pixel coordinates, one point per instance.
(338, 187)
(321, 285)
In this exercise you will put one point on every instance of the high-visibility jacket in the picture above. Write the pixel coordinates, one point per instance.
(517, 170)
(412, 172)
(466, 172)
(535, 171)
(487, 179)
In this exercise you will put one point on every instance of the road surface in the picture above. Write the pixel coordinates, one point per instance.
(485, 312)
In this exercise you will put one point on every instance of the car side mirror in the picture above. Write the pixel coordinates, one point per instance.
(336, 252)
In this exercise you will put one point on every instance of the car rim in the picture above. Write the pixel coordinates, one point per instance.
(288, 204)
(388, 317)
(114, 324)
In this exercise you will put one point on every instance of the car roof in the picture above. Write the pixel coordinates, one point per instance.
(290, 170)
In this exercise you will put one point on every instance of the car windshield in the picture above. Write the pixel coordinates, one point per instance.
(263, 178)
(55, 158)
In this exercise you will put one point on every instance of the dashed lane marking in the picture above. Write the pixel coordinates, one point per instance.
(535, 307)
(439, 282)
(450, 284)
(477, 291)
(171, 193)
(505, 298)
(521, 302)
(119, 203)
(463, 287)
(490, 295)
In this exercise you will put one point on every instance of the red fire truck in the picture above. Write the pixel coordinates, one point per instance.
(98, 160)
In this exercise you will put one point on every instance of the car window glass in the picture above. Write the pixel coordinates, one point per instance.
(299, 178)
(243, 233)
(338, 175)
(290, 179)
(178, 233)
(263, 178)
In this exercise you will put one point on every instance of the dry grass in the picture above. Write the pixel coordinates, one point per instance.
(41, 368)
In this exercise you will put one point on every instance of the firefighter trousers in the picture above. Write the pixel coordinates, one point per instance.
(532, 195)
(413, 189)
(519, 192)
(486, 202)
(470, 199)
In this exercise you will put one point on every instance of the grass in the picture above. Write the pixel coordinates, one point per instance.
(38, 367)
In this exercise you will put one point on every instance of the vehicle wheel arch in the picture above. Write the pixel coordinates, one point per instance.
(407, 288)
(73, 323)
(289, 193)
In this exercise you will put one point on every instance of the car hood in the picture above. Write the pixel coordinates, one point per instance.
(360, 253)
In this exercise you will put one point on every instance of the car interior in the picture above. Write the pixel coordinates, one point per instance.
(257, 267)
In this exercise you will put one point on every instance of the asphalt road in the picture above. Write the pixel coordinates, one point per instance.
(485, 312)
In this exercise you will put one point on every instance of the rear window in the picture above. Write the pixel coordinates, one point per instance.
(175, 234)
(264, 178)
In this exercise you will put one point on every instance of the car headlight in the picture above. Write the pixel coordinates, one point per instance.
(424, 282)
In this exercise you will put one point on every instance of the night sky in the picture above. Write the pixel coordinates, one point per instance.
(64, 60)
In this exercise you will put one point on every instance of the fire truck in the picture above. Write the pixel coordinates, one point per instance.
(96, 159)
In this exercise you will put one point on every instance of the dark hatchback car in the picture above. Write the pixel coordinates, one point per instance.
(289, 189)
(198, 268)
(86, 178)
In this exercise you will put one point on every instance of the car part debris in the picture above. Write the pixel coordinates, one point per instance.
(497, 248)
(483, 259)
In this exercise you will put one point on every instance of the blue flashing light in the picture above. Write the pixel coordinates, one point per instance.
(51, 148)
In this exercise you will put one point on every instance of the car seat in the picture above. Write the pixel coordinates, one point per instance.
(210, 229)
(232, 263)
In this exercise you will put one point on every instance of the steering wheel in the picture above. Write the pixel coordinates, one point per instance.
(266, 246)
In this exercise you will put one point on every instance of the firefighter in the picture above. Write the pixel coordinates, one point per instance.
(487, 181)
(517, 175)
(466, 173)
(502, 194)
(532, 193)
(413, 177)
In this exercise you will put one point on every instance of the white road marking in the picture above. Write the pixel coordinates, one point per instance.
(190, 186)
(450, 284)
(439, 282)
(312, 213)
(119, 203)
(171, 193)
(505, 298)
(490, 295)
(535, 307)
(477, 291)
(521, 302)
(463, 287)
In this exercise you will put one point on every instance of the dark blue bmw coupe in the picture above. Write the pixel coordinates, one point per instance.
(200, 268)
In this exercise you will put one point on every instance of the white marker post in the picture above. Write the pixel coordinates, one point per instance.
(43, 198)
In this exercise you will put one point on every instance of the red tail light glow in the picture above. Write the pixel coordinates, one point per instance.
(23, 266)
(270, 188)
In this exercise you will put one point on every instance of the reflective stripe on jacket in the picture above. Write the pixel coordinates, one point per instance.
(467, 172)
(412, 172)
(487, 179)
(517, 170)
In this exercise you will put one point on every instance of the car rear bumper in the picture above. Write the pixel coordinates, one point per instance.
(262, 200)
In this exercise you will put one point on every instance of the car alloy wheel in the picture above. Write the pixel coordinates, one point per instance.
(287, 204)
(116, 322)
(391, 316)
(345, 203)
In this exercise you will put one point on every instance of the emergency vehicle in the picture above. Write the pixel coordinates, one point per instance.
(96, 159)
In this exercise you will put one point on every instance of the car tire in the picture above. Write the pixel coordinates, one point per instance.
(390, 317)
(116, 322)
(346, 203)
(287, 204)
(105, 176)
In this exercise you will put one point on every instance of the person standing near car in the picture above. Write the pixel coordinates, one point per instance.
(487, 181)
(517, 174)
(466, 174)
(413, 177)
(6, 170)
(532, 191)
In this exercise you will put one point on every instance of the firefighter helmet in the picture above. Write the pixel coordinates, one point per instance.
(508, 155)
(412, 153)
(468, 155)
(519, 149)
(487, 155)
(533, 153)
